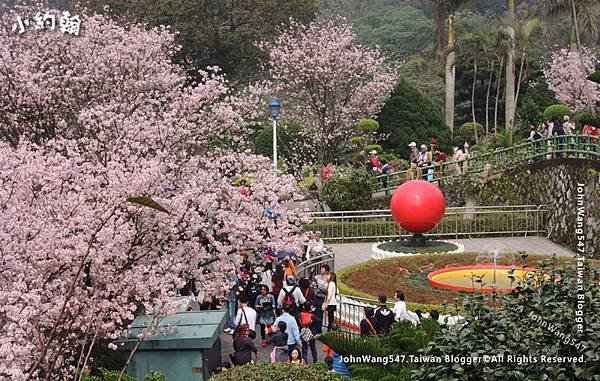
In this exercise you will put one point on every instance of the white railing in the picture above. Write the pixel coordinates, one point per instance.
(467, 222)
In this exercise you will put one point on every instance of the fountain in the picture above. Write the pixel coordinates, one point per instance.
(493, 262)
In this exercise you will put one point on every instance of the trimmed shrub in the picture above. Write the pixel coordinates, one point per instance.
(410, 116)
(372, 147)
(349, 191)
(368, 125)
(278, 371)
(556, 111)
(466, 132)
(595, 76)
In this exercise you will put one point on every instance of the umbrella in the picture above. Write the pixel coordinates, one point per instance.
(283, 254)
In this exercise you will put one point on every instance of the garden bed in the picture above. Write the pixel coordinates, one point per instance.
(409, 274)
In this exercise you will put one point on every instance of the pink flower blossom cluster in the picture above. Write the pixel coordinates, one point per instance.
(327, 81)
(565, 79)
(89, 123)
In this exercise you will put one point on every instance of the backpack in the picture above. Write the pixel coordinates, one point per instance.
(289, 299)
(306, 334)
(306, 318)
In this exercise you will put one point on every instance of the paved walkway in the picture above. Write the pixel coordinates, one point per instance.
(348, 254)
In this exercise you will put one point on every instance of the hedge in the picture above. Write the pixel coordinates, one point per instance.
(278, 371)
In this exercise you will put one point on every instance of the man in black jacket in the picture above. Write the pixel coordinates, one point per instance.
(384, 317)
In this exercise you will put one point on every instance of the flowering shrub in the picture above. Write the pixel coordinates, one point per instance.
(565, 79)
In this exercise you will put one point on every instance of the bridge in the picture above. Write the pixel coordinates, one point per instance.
(572, 146)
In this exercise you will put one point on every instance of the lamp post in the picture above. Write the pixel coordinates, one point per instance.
(274, 108)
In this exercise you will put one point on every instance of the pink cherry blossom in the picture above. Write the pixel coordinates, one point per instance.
(565, 79)
(87, 123)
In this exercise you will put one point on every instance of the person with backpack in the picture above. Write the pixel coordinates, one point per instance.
(292, 329)
(279, 340)
(367, 325)
(308, 331)
(291, 296)
(265, 306)
(384, 317)
(320, 283)
(331, 303)
(246, 315)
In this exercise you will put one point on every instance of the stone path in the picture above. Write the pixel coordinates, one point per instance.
(348, 254)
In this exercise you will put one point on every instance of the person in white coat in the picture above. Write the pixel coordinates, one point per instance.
(315, 246)
(400, 311)
(331, 303)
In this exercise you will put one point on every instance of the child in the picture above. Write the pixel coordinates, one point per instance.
(296, 357)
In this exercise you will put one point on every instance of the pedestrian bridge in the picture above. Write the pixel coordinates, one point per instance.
(583, 147)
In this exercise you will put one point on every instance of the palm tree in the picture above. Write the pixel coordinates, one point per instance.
(509, 100)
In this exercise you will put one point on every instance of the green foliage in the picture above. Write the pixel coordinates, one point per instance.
(148, 202)
(534, 100)
(349, 191)
(537, 320)
(401, 30)
(113, 375)
(493, 141)
(372, 147)
(586, 117)
(466, 132)
(595, 76)
(288, 137)
(404, 340)
(406, 247)
(278, 371)
(556, 111)
(409, 116)
(368, 125)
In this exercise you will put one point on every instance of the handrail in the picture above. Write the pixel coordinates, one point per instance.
(458, 222)
(581, 146)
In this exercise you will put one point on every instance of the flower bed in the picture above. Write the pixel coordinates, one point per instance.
(391, 249)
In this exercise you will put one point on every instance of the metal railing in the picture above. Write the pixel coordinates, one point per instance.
(311, 267)
(462, 222)
(574, 146)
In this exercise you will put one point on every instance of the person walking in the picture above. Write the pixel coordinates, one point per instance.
(569, 129)
(292, 329)
(460, 157)
(279, 340)
(243, 346)
(534, 137)
(231, 301)
(291, 295)
(413, 158)
(308, 331)
(307, 291)
(331, 303)
(320, 283)
(265, 307)
(266, 277)
(367, 325)
(384, 317)
(246, 315)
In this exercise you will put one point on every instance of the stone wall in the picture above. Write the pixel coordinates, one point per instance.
(552, 183)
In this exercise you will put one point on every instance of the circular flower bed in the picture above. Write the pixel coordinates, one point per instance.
(391, 249)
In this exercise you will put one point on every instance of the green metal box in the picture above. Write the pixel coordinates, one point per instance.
(185, 347)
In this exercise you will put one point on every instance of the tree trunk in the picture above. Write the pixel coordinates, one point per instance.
(440, 23)
(574, 9)
(473, 101)
(450, 72)
(509, 100)
(487, 101)
(498, 81)
(523, 56)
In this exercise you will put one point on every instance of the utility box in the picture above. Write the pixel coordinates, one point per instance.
(185, 346)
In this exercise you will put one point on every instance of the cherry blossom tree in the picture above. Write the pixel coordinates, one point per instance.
(119, 183)
(327, 81)
(565, 79)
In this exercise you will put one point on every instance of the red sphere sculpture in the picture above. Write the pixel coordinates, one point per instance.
(418, 206)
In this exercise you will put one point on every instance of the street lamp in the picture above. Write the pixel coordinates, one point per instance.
(274, 108)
